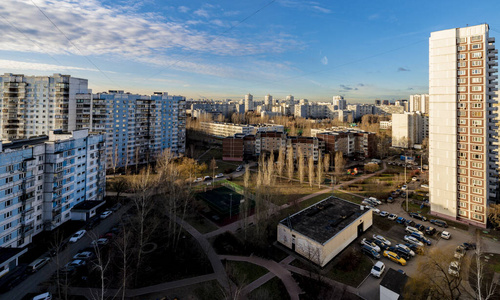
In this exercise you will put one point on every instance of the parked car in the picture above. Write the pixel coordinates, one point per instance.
(392, 217)
(382, 239)
(100, 242)
(445, 235)
(395, 258)
(37, 264)
(404, 187)
(406, 249)
(430, 230)
(459, 252)
(390, 200)
(384, 213)
(421, 238)
(375, 200)
(206, 178)
(400, 220)
(199, 179)
(93, 222)
(85, 255)
(366, 202)
(116, 207)
(381, 245)
(400, 252)
(44, 296)
(371, 244)
(370, 252)
(409, 222)
(439, 223)
(417, 216)
(420, 227)
(425, 186)
(220, 175)
(454, 268)
(413, 240)
(105, 214)
(411, 230)
(239, 168)
(376, 210)
(378, 269)
(75, 264)
(469, 246)
(414, 178)
(77, 236)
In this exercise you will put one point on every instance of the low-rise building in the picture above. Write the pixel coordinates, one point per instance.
(321, 231)
(347, 140)
(392, 285)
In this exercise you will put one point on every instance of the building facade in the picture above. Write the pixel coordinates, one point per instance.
(34, 105)
(409, 129)
(346, 140)
(463, 152)
(44, 178)
(419, 103)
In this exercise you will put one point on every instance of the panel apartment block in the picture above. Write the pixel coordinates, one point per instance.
(462, 131)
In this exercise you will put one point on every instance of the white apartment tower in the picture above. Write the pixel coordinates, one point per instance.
(419, 103)
(248, 102)
(340, 102)
(268, 102)
(462, 131)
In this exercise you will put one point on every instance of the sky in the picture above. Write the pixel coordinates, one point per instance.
(363, 50)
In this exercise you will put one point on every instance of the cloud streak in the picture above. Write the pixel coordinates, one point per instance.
(403, 69)
(16, 65)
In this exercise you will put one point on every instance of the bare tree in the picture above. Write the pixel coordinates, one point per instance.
(213, 166)
(319, 170)
(311, 170)
(101, 265)
(484, 286)
(281, 162)
(339, 163)
(326, 163)
(300, 158)
(290, 163)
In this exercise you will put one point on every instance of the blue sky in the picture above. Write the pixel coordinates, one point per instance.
(224, 49)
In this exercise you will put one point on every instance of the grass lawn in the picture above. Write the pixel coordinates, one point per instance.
(200, 223)
(348, 197)
(243, 273)
(273, 289)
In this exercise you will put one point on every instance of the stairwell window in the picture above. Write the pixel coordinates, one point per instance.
(461, 72)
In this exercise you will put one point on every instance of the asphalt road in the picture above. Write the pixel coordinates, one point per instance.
(30, 284)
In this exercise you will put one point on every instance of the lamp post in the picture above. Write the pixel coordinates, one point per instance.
(231, 206)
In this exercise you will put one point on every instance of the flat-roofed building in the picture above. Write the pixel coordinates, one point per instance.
(321, 231)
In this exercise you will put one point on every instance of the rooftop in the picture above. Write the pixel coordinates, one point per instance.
(325, 219)
(88, 205)
(394, 281)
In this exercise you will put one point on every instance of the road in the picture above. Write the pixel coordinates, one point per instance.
(30, 284)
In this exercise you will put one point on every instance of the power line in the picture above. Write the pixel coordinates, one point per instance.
(73, 44)
(216, 37)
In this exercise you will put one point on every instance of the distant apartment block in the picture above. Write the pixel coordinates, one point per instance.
(409, 129)
(139, 127)
(44, 178)
(222, 130)
(463, 136)
(385, 124)
(419, 103)
(349, 141)
(34, 105)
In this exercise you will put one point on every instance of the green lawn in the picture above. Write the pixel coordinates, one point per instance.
(243, 273)
(273, 289)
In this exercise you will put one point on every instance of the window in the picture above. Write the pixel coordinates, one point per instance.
(461, 72)
(462, 89)
(475, 38)
(477, 148)
(461, 48)
(477, 130)
(462, 179)
(477, 46)
(477, 63)
(462, 122)
(477, 156)
(462, 213)
(477, 88)
(7, 215)
(462, 113)
(462, 105)
(477, 114)
(477, 191)
(462, 97)
(462, 155)
(477, 208)
(477, 97)
(462, 204)
(475, 72)
(477, 122)
(477, 217)
(477, 199)
(462, 138)
(8, 191)
(477, 139)
(462, 80)
(461, 40)
(477, 182)
(462, 171)
(477, 165)
(462, 188)
(7, 237)
(477, 55)
(462, 56)
(6, 226)
(462, 64)
(477, 105)
(461, 130)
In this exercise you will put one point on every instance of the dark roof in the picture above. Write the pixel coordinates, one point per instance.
(325, 219)
(88, 205)
(8, 253)
(394, 281)
(25, 142)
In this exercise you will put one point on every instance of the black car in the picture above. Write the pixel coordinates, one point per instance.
(439, 223)
(410, 223)
(370, 252)
(417, 216)
(400, 252)
(469, 246)
(420, 227)
(383, 246)
(430, 230)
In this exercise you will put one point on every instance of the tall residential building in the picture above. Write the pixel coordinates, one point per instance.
(248, 102)
(408, 129)
(43, 179)
(139, 127)
(419, 103)
(268, 102)
(340, 102)
(34, 105)
(462, 131)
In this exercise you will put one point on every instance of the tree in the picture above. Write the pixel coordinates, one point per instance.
(213, 166)
(319, 170)
(290, 163)
(433, 278)
(311, 170)
(326, 163)
(119, 185)
(483, 284)
(372, 168)
(339, 163)
(281, 162)
(300, 158)
(494, 215)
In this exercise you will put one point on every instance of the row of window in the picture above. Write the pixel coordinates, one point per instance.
(474, 63)
(474, 105)
(473, 173)
(477, 165)
(473, 47)
(473, 72)
(475, 88)
(474, 190)
(474, 38)
(473, 147)
(475, 216)
(473, 80)
(474, 97)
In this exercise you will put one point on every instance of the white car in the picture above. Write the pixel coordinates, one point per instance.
(106, 214)
(75, 264)
(414, 178)
(370, 244)
(84, 255)
(378, 269)
(411, 230)
(392, 217)
(404, 187)
(375, 200)
(382, 239)
(413, 240)
(220, 175)
(78, 235)
(198, 180)
(405, 248)
(44, 296)
(459, 252)
(454, 268)
(445, 235)
(384, 213)
(100, 242)
(375, 210)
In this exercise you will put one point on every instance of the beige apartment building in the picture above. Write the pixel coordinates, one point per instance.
(463, 152)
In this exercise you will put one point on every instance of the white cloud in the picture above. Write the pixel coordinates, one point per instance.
(305, 5)
(22, 65)
(183, 9)
(324, 60)
(202, 13)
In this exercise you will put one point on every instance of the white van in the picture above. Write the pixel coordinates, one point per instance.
(38, 264)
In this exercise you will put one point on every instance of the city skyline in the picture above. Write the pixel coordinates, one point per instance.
(227, 50)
